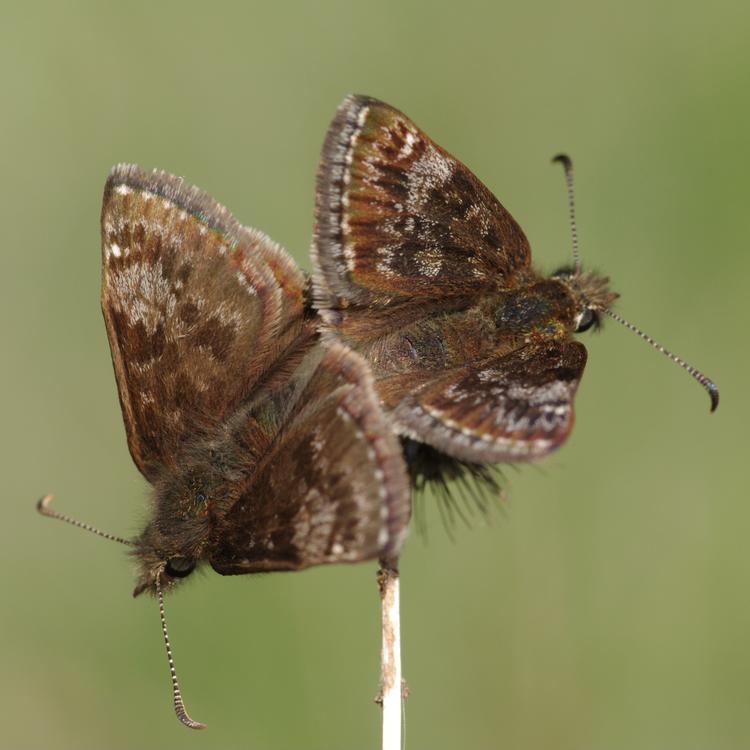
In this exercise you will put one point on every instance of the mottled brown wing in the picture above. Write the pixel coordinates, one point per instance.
(332, 488)
(398, 217)
(197, 308)
(516, 407)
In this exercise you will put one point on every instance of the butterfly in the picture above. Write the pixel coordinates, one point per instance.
(420, 269)
(267, 450)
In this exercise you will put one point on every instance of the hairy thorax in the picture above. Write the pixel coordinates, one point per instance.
(410, 343)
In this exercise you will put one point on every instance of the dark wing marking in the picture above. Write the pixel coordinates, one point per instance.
(195, 305)
(515, 407)
(398, 217)
(332, 488)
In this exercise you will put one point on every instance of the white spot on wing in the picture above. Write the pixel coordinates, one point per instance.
(429, 260)
(142, 293)
(382, 536)
(384, 264)
(408, 146)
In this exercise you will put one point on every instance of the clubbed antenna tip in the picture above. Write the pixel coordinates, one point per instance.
(713, 393)
(707, 383)
(179, 705)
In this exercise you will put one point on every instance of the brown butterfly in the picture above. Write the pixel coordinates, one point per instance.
(267, 450)
(421, 270)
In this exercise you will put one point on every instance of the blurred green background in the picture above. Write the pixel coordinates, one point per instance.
(607, 608)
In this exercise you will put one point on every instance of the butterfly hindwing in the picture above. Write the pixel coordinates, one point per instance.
(332, 486)
(510, 408)
(397, 217)
(195, 306)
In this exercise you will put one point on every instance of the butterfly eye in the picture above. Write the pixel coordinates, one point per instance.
(564, 272)
(179, 567)
(586, 319)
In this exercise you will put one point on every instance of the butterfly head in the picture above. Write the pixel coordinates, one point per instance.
(176, 539)
(159, 557)
(591, 296)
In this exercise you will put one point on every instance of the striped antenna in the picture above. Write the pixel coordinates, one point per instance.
(43, 507)
(567, 164)
(707, 383)
(179, 705)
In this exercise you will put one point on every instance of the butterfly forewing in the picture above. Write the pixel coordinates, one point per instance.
(331, 488)
(398, 217)
(195, 307)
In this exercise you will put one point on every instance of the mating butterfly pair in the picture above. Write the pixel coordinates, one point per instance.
(272, 448)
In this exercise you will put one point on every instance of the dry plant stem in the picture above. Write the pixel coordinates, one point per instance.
(390, 658)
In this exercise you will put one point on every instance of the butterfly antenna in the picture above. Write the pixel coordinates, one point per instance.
(707, 383)
(43, 507)
(179, 705)
(567, 164)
